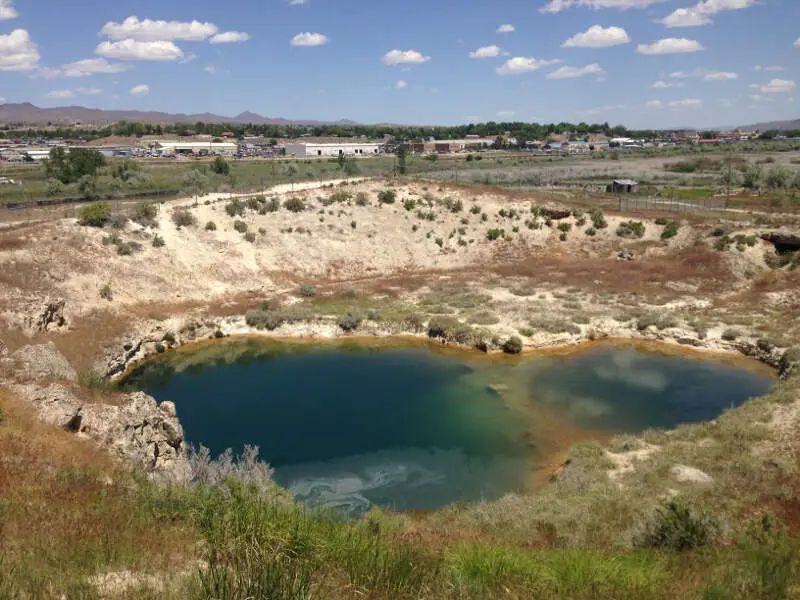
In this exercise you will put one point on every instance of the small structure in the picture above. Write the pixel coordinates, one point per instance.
(623, 186)
(334, 149)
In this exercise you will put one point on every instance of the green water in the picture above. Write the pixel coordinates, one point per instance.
(349, 426)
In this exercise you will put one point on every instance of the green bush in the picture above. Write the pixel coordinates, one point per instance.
(106, 293)
(475, 209)
(659, 320)
(631, 229)
(661, 221)
(264, 319)
(439, 242)
(235, 208)
(671, 230)
(220, 166)
(675, 527)
(591, 232)
(294, 205)
(730, 334)
(183, 218)
(211, 226)
(145, 214)
(362, 199)
(387, 196)
(565, 227)
(409, 204)
(240, 226)
(598, 220)
(158, 241)
(512, 345)
(307, 291)
(250, 237)
(273, 205)
(160, 348)
(495, 233)
(95, 214)
(562, 237)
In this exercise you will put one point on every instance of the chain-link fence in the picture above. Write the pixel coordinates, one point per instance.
(632, 203)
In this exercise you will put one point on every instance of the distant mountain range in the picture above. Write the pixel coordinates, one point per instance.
(70, 115)
(773, 125)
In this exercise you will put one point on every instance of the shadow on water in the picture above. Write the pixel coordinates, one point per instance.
(410, 427)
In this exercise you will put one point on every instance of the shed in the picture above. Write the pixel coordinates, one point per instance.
(623, 186)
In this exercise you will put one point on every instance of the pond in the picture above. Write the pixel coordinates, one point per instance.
(412, 427)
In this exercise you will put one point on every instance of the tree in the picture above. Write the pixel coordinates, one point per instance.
(69, 167)
(729, 177)
(754, 178)
(350, 168)
(402, 153)
(194, 184)
(777, 178)
(87, 186)
(220, 166)
(291, 171)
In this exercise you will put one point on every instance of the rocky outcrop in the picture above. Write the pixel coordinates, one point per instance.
(784, 241)
(790, 363)
(555, 211)
(135, 427)
(762, 350)
(48, 316)
(43, 361)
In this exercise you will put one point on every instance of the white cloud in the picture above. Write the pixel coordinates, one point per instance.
(555, 6)
(506, 28)
(687, 103)
(662, 85)
(91, 66)
(61, 94)
(485, 52)
(140, 90)
(598, 37)
(505, 114)
(131, 49)
(679, 75)
(297, 2)
(88, 91)
(210, 69)
(46, 73)
(7, 10)
(309, 39)
(520, 64)
(572, 72)
(685, 17)
(670, 46)
(18, 52)
(599, 110)
(400, 85)
(654, 104)
(230, 37)
(2, 100)
(775, 86)
(402, 57)
(158, 31)
(720, 76)
(771, 68)
(701, 13)
(188, 58)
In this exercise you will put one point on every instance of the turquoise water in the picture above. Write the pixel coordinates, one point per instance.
(349, 426)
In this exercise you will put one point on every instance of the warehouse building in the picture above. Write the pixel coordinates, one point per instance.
(195, 147)
(308, 149)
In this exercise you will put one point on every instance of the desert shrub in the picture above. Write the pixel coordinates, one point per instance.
(526, 331)
(631, 229)
(675, 527)
(235, 208)
(95, 214)
(484, 217)
(565, 227)
(118, 221)
(453, 205)
(240, 226)
(106, 293)
(439, 242)
(475, 209)
(158, 241)
(362, 199)
(554, 325)
(183, 218)
(145, 214)
(659, 320)
(253, 202)
(661, 221)
(387, 196)
(562, 237)
(349, 322)
(484, 317)
(218, 334)
(598, 220)
(426, 215)
(169, 338)
(160, 348)
(272, 205)
(671, 230)
(294, 205)
(409, 204)
(495, 233)
(580, 222)
(718, 231)
(730, 334)
(591, 232)
(250, 237)
(220, 166)
(264, 319)
(307, 291)
(211, 226)
(512, 345)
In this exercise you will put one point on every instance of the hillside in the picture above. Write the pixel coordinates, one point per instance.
(773, 125)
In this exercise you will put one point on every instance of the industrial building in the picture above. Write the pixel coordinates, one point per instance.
(306, 149)
(195, 147)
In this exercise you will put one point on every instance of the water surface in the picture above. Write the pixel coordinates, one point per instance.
(349, 425)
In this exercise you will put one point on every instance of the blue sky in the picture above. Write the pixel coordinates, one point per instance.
(713, 62)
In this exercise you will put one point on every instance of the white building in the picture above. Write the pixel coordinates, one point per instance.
(334, 149)
(196, 147)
